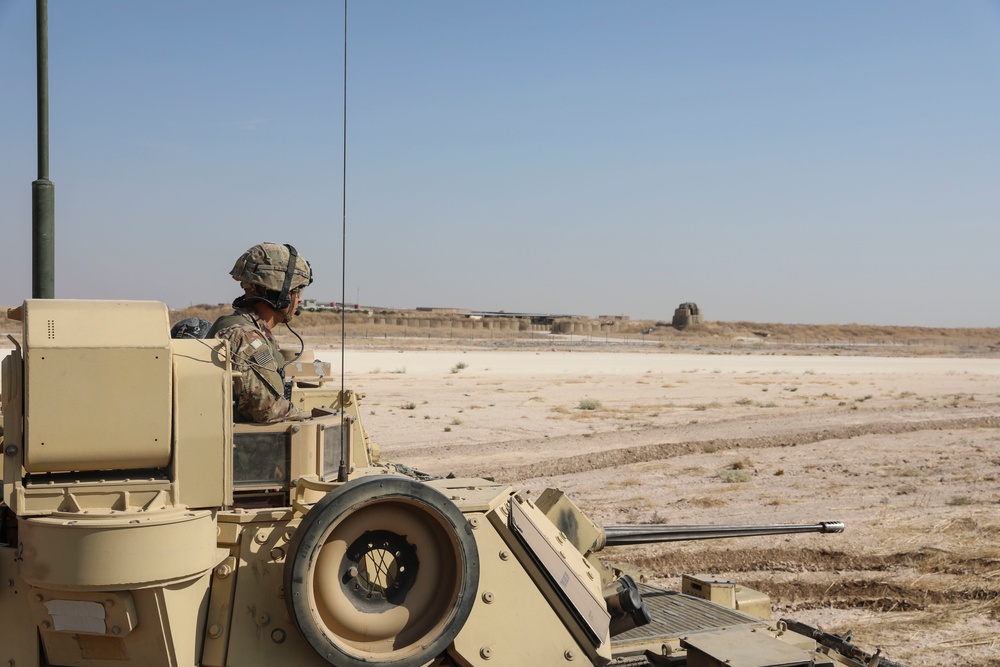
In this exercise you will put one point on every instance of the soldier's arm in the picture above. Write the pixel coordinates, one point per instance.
(258, 402)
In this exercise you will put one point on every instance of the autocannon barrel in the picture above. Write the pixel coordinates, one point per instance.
(620, 535)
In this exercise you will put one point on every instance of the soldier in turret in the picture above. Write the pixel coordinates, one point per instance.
(273, 277)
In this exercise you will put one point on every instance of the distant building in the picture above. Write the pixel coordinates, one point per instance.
(685, 314)
(443, 311)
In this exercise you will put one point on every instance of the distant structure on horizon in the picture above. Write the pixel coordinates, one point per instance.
(685, 314)
(443, 311)
(534, 318)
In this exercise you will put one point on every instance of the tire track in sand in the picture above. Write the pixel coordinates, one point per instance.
(597, 460)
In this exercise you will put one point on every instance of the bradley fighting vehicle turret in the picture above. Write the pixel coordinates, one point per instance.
(141, 526)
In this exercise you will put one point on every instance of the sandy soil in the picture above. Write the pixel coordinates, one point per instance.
(906, 451)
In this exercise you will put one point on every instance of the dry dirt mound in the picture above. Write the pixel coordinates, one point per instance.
(640, 454)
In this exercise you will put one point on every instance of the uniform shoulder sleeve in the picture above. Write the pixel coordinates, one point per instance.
(247, 345)
(258, 388)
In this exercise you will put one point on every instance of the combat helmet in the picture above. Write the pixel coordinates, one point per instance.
(191, 327)
(272, 270)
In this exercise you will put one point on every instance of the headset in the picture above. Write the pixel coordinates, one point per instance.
(282, 301)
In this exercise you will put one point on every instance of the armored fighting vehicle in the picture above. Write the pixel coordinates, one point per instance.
(140, 526)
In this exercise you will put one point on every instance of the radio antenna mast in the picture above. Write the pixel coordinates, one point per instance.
(43, 192)
(342, 470)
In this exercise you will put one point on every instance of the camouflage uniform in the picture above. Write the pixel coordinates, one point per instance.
(259, 388)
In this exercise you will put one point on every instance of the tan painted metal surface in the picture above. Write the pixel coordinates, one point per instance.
(75, 370)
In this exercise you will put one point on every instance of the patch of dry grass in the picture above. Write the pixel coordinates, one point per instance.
(730, 476)
(705, 501)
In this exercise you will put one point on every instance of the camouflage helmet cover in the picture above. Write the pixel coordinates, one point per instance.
(265, 264)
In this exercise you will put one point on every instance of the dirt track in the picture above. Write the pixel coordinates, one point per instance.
(904, 451)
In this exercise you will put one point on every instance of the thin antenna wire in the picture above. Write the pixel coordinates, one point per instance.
(343, 241)
(342, 473)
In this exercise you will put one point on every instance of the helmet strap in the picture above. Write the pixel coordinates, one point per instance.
(283, 302)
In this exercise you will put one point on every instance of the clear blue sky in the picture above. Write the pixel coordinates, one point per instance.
(773, 161)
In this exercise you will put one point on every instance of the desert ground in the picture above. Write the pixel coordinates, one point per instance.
(901, 442)
(905, 451)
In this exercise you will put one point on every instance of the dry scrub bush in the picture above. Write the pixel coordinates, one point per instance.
(730, 476)
(741, 463)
